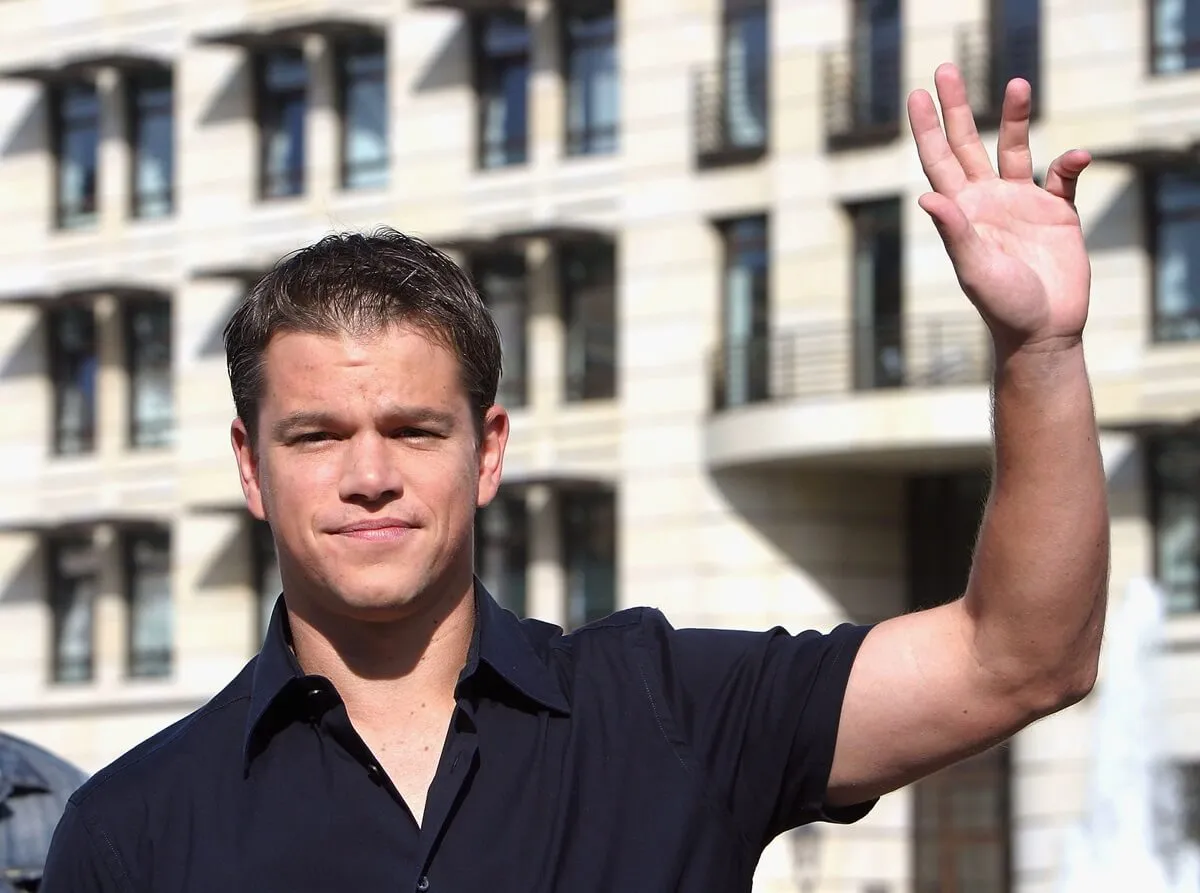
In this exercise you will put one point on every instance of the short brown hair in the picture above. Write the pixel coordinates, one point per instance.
(356, 283)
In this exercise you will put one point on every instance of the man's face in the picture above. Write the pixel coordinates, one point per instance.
(368, 469)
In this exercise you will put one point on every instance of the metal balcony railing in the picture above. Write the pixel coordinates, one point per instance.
(989, 57)
(731, 114)
(861, 95)
(825, 359)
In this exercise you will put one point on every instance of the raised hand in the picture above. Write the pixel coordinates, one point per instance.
(1017, 249)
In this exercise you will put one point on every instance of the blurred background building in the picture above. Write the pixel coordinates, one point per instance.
(745, 386)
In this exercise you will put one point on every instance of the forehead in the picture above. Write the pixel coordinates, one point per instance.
(397, 363)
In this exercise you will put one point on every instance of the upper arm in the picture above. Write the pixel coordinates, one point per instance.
(758, 711)
(75, 863)
(918, 699)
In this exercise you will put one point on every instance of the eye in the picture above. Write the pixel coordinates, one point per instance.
(312, 437)
(414, 434)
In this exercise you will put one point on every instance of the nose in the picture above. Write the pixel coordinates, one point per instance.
(371, 473)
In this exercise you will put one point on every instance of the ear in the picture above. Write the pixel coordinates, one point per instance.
(493, 441)
(248, 469)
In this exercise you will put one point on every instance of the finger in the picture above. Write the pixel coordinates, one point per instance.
(1012, 149)
(1063, 175)
(961, 132)
(961, 241)
(941, 166)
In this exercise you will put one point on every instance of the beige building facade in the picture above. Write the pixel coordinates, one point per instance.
(745, 387)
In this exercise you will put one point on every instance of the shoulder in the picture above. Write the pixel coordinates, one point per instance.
(182, 756)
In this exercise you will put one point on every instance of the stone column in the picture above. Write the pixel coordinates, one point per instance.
(112, 384)
(547, 103)
(546, 337)
(114, 164)
(112, 610)
(322, 128)
(547, 582)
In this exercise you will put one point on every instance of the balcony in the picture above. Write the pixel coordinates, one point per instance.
(989, 58)
(861, 96)
(884, 393)
(730, 114)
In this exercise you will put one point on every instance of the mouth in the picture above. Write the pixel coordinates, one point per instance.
(377, 529)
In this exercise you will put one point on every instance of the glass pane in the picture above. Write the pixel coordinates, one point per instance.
(153, 146)
(589, 309)
(1177, 525)
(502, 551)
(746, 54)
(878, 311)
(589, 547)
(504, 89)
(150, 608)
(78, 127)
(152, 414)
(592, 85)
(282, 111)
(73, 589)
(364, 105)
(501, 280)
(745, 312)
(74, 362)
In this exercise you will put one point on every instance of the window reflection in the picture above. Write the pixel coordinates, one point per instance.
(152, 143)
(282, 103)
(362, 68)
(502, 60)
(77, 149)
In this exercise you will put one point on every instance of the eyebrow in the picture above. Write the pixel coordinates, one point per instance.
(317, 418)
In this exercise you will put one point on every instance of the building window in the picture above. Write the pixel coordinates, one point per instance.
(593, 90)
(502, 550)
(589, 313)
(502, 64)
(1175, 507)
(152, 142)
(73, 367)
(1175, 236)
(282, 104)
(268, 582)
(362, 75)
(148, 351)
(744, 70)
(1175, 35)
(501, 280)
(877, 284)
(745, 353)
(1189, 784)
(961, 827)
(74, 575)
(589, 545)
(148, 590)
(77, 150)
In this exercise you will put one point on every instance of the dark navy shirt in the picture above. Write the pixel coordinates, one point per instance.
(626, 755)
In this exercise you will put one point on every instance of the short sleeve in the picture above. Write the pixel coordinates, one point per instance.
(758, 712)
(74, 863)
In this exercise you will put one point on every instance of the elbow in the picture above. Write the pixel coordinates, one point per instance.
(1061, 688)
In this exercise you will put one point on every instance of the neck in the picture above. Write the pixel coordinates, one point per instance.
(377, 666)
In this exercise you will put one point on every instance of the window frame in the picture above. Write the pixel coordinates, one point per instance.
(136, 434)
(485, 66)
(592, 383)
(516, 543)
(478, 265)
(757, 364)
(342, 51)
(88, 217)
(591, 140)
(269, 118)
(55, 546)
(1153, 448)
(57, 359)
(148, 80)
(160, 663)
(1153, 49)
(588, 501)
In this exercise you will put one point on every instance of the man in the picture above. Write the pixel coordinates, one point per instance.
(399, 731)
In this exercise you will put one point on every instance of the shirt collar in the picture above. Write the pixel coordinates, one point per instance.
(499, 640)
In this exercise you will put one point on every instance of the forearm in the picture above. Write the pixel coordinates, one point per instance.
(1040, 576)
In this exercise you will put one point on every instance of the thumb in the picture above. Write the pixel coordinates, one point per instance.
(957, 234)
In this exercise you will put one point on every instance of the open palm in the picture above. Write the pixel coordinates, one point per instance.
(1017, 249)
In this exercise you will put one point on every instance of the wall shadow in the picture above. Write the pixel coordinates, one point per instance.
(30, 133)
(449, 65)
(231, 563)
(231, 102)
(29, 356)
(28, 584)
(1120, 224)
(762, 497)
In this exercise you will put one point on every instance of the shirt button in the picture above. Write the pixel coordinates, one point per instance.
(375, 773)
(423, 884)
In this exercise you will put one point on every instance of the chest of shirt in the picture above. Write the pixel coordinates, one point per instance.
(521, 803)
